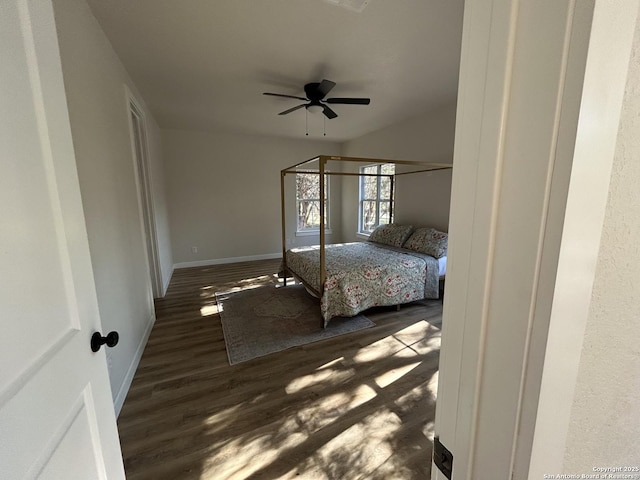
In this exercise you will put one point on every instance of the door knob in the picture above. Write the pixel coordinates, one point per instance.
(98, 340)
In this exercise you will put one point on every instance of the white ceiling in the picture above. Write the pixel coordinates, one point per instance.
(203, 64)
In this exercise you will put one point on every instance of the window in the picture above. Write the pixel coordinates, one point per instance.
(375, 197)
(308, 202)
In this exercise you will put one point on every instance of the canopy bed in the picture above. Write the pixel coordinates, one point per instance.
(398, 264)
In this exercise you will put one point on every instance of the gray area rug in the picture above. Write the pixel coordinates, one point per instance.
(264, 320)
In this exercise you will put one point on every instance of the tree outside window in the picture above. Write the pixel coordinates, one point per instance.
(375, 197)
(308, 201)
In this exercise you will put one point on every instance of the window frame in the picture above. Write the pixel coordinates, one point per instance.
(378, 200)
(327, 215)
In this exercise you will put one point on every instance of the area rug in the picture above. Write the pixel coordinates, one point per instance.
(264, 320)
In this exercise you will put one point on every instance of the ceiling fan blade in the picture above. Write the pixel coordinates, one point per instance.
(285, 96)
(292, 109)
(325, 87)
(349, 101)
(329, 113)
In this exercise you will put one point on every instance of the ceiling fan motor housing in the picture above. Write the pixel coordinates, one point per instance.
(313, 92)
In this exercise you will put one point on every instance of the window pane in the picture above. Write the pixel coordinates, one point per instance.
(368, 216)
(307, 186)
(308, 214)
(370, 187)
(388, 169)
(385, 214)
(308, 196)
(375, 196)
(385, 188)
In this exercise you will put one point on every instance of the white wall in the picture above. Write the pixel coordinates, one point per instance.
(224, 194)
(95, 85)
(421, 198)
(605, 417)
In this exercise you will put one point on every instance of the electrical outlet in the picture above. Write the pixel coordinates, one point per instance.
(194, 249)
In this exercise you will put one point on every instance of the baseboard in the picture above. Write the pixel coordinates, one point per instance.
(128, 378)
(220, 261)
(167, 281)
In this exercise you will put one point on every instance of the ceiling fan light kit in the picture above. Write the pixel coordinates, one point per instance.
(315, 109)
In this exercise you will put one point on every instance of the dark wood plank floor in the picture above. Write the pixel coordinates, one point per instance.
(358, 406)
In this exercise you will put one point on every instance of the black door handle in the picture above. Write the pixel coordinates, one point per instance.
(98, 340)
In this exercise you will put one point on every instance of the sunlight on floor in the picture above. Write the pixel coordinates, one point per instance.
(318, 379)
(433, 384)
(331, 363)
(324, 410)
(239, 289)
(387, 378)
(219, 419)
(209, 310)
(361, 395)
(248, 457)
(419, 338)
(381, 349)
(429, 430)
(280, 284)
(370, 450)
(261, 278)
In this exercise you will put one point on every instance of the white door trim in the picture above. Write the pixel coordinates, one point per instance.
(522, 71)
(144, 187)
(605, 78)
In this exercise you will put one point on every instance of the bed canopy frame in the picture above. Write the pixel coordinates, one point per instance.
(318, 165)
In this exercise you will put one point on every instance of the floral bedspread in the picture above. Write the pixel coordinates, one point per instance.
(361, 275)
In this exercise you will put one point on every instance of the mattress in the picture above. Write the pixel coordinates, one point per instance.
(442, 266)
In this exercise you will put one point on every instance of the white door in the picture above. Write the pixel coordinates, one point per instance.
(57, 418)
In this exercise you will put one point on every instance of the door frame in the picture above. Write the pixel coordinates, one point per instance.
(144, 187)
(503, 402)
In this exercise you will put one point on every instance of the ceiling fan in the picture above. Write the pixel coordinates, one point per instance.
(315, 96)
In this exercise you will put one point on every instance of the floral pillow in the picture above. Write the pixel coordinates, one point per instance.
(429, 241)
(392, 234)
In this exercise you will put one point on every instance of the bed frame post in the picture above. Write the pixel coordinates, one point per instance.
(391, 209)
(323, 272)
(284, 228)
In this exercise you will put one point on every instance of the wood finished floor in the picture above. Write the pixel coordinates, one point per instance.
(358, 406)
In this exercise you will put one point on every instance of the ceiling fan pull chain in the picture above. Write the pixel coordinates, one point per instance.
(324, 126)
(306, 122)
